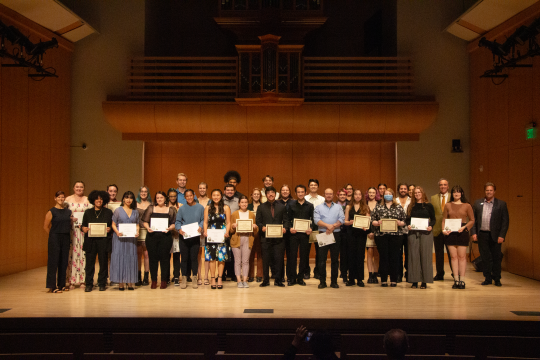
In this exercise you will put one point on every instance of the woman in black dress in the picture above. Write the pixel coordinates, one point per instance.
(357, 239)
(58, 222)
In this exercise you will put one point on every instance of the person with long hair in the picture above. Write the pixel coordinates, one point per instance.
(144, 199)
(242, 243)
(77, 203)
(382, 189)
(57, 224)
(285, 199)
(256, 249)
(217, 216)
(411, 190)
(159, 243)
(97, 246)
(189, 246)
(204, 201)
(420, 242)
(357, 239)
(372, 198)
(172, 195)
(457, 242)
(388, 243)
(124, 249)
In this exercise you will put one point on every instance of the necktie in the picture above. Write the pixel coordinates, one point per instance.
(443, 202)
(272, 209)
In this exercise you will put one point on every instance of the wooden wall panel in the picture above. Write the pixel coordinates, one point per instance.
(313, 160)
(60, 174)
(388, 172)
(228, 118)
(498, 171)
(39, 173)
(39, 114)
(536, 211)
(14, 116)
(222, 156)
(274, 159)
(182, 157)
(497, 114)
(14, 174)
(13, 235)
(260, 120)
(520, 106)
(357, 164)
(316, 119)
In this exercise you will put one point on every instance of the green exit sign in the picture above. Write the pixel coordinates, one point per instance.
(531, 133)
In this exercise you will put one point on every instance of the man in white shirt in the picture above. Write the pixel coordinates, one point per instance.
(404, 201)
(439, 201)
(315, 199)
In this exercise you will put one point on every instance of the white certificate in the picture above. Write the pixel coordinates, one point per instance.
(127, 230)
(301, 225)
(452, 225)
(78, 219)
(215, 236)
(361, 222)
(324, 239)
(159, 224)
(419, 224)
(175, 246)
(191, 230)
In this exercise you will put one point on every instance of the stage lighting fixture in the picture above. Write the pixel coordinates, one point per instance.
(493, 46)
(41, 47)
(17, 37)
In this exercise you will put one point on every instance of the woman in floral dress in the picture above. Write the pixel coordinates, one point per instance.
(77, 203)
(216, 216)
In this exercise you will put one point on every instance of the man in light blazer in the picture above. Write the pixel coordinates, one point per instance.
(489, 229)
(439, 201)
(272, 212)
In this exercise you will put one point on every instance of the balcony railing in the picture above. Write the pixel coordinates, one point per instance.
(255, 5)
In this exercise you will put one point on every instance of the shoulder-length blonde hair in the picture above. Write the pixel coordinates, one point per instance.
(413, 199)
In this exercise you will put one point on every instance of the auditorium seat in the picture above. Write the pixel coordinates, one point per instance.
(171, 343)
(416, 357)
(260, 344)
(58, 343)
(500, 346)
(36, 356)
(373, 344)
(144, 356)
(259, 356)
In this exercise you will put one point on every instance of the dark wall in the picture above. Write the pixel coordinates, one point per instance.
(187, 28)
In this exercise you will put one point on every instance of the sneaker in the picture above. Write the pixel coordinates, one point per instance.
(176, 282)
(240, 285)
(245, 284)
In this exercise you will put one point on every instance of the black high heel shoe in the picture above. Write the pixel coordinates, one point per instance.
(461, 285)
(456, 285)
(220, 286)
(414, 285)
(213, 287)
(423, 286)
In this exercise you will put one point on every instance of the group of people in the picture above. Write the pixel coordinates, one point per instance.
(187, 220)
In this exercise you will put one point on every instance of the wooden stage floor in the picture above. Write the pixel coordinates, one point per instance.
(25, 296)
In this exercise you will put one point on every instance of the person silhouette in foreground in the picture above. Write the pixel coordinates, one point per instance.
(320, 342)
(396, 344)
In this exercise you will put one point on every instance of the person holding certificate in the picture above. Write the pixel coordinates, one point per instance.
(372, 198)
(420, 220)
(457, 238)
(231, 200)
(159, 219)
(301, 215)
(96, 225)
(175, 250)
(329, 217)
(217, 216)
(243, 231)
(125, 223)
(272, 219)
(57, 224)
(143, 201)
(316, 200)
(285, 199)
(77, 203)
(204, 200)
(113, 204)
(256, 249)
(357, 217)
(411, 190)
(388, 219)
(189, 224)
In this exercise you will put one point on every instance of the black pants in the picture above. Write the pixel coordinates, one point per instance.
(272, 249)
(334, 259)
(286, 248)
(159, 254)
(99, 248)
(344, 251)
(57, 262)
(490, 251)
(189, 248)
(229, 266)
(389, 247)
(356, 253)
(404, 250)
(438, 242)
(176, 264)
(298, 240)
(316, 269)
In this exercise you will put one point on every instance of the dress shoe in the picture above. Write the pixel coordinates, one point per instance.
(360, 283)
(345, 280)
(334, 285)
(301, 282)
(130, 288)
(279, 283)
(121, 288)
(291, 282)
(282, 279)
(461, 285)
(375, 280)
(176, 282)
(393, 285)
(384, 285)
(145, 281)
(498, 283)
(259, 279)
(350, 283)
(154, 285)
(456, 285)
(251, 279)
(163, 285)
(102, 288)
(265, 283)
(88, 288)
(486, 282)
(438, 277)
(306, 276)
(322, 285)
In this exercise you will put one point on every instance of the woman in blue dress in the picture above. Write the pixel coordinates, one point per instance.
(124, 266)
(216, 216)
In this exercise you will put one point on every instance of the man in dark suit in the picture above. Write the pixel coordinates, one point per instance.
(489, 230)
(272, 212)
